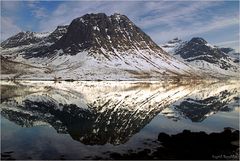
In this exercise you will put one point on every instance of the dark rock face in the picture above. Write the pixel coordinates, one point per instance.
(226, 50)
(57, 34)
(22, 38)
(27, 38)
(197, 49)
(189, 145)
(232, 53)
(38, 44)
(199, 145)
(95, 32)
(198, 40)
(46, 42)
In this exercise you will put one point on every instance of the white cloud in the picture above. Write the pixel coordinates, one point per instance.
(227, 42)
(194, 28)
(10, 6)
(174, 13)
(232, 43)
(9, 10)
(67, 11)
(37, 11)
(32, 4)
(182, 19)
(144, 14)
(8, 28)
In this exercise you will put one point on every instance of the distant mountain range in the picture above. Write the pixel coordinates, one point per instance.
(101, 47)
(198, 53)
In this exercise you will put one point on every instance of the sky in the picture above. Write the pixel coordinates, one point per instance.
(215, 21)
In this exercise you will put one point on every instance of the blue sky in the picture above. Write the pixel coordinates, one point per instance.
(215, 21)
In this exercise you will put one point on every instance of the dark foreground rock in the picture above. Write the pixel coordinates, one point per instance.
(190, 145)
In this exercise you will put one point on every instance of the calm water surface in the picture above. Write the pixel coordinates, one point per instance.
(115, 120)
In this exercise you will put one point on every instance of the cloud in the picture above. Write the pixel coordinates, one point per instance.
(8, 28)
(162, 20)
(194, 28)
(174, 13)
(232, 43)
(146, 15)
(32, 4)
(67, 11)
(9, 6)
(9, 10)
(37, 11)
(227, 42)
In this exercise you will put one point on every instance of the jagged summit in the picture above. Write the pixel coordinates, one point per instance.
(198, 48)
(57, 33)
(99, 32)
(199, 53)
(198, 40)
(23, 38)
(232, 53)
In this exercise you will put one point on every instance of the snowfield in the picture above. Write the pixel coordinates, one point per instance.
(129, 65)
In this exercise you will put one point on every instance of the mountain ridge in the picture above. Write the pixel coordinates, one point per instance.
(97, 46)
(199, 53)
(100, 47)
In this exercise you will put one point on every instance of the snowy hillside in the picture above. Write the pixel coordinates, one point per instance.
(97, 46)
(232, 53)
(24, 38)
(208, 58)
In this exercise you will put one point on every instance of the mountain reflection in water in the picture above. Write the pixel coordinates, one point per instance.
(110, 114)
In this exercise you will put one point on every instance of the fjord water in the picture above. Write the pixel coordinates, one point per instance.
(113, 119)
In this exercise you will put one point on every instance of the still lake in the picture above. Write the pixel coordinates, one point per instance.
(119, 120)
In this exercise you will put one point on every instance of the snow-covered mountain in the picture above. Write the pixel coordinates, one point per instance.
(23, 38)
(200, 54)
(232, 53)
(96, 46)
(25, 45)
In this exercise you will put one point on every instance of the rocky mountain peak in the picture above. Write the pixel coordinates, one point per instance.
(61, 29)
(22, 38)
(57, 34)
(198, 40)
(98, 32)
(226, 50)
(198, 49)
(232, 53)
